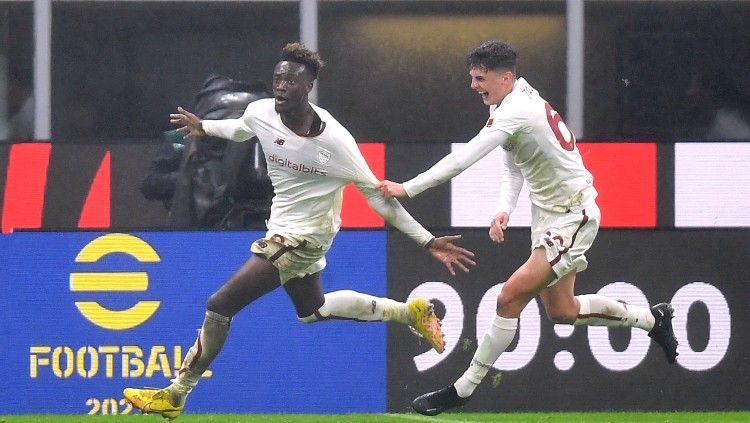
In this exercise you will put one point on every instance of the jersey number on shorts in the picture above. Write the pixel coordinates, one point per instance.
(566, 138)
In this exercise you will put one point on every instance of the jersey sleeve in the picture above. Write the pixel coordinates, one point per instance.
(396, 215)
(510, 186)
(509, 117)
(238, 130)
(456, 162)
(390, 209)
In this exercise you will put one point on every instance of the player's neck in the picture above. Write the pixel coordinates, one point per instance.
(299, 120)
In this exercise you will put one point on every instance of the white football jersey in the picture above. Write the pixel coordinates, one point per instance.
(309, 173)
(539, 149)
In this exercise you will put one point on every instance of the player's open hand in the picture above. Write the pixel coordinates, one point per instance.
(189, 123)
(389, 189)
(451, 254)
(498, 226)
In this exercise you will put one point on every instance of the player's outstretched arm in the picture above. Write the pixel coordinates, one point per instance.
(189, 123)
(442, 248)
(450, 165)
(445, 251)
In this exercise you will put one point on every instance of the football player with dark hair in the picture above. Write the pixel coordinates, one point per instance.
(542, 152)
(311, 157)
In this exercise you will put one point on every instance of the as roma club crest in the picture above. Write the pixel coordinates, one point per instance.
(324, 156)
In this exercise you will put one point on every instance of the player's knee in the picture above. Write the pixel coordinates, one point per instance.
(509, 303)
(561, 315)
(503, 302)
(218, 304)
(318, 315)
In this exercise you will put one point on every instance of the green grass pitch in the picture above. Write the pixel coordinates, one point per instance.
(599, 417)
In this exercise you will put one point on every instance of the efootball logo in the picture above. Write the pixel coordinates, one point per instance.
(114, 281)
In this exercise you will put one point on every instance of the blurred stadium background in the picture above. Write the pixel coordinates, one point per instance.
(657, 92)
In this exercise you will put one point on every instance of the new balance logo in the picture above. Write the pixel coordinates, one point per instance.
(279, 141)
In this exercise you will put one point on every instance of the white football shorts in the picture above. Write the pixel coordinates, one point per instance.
(294, 256)
(565, 237)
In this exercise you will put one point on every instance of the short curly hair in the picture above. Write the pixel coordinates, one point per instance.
(493, 55)
(298, 53)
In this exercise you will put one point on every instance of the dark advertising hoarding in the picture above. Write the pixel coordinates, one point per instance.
(703, 273)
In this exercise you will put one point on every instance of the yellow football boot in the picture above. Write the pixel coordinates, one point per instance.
(426, 324)
(167, 402)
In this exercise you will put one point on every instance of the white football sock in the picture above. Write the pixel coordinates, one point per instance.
(497, 338)
(207, 345)
(347, 304)
(598, 310)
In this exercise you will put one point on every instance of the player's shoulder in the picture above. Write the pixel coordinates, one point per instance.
(523, 101)
(333, 127)
(523, 94)
(324, 114)
(262, 106)
(258, 111)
